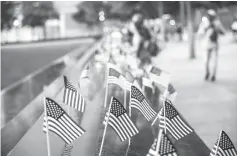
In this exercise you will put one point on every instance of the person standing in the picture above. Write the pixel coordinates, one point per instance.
(211, 28)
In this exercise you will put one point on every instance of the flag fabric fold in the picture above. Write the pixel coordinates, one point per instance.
(223, 146)
(119, 120)
(139, 102)
(72, 97)
(60, 123)
(172, 121)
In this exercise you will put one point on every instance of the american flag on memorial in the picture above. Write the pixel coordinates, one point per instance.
(60, 123)
(147, 83)
(67, 151)
(119, 120)
(223, 146)
(139, 102)
(115, 77)
(172, 93)
(132, 81)
(162, 146)
(129, 80)
(172, 121)
(72, 97)
(85, 72)
(159, 76)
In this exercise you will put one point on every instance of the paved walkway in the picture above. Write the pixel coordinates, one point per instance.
(208, 107)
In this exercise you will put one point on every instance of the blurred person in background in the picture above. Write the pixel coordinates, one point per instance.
(179, 31)
(139, 37)
(234, 27)
(211, 28)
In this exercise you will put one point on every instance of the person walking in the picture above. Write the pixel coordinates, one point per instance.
(211, 28)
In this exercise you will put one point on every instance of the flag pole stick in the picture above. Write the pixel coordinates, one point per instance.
(107, 85)
(218, 143)
(155, 119)
(159, 140)
(125, 98)
(68, 110)
(164, 115)
(164, 97)
(47, 128)
(130, 114)
(104, 133)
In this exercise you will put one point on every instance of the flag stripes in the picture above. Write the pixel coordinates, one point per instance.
(120, 121)
(85, 72)
(144, 108)
(60, 123)
(72, 97)
(171, 121)
(177, 127)
(139, 102)
(67, 151)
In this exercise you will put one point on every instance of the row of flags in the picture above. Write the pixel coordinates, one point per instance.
(162, 146)
(58, 121)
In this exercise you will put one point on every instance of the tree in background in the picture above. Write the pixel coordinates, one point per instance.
(36, 13)
(8, 14)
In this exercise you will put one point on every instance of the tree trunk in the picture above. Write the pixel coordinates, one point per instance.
(161, 13)
(44, 31)
(191, 35)
(182, 13)
(161, 8)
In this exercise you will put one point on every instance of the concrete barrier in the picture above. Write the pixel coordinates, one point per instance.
(15, 97)
(15, 129)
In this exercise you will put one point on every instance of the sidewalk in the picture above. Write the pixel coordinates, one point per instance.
(208, 107)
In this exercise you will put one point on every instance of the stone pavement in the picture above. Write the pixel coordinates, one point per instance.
(208, 107)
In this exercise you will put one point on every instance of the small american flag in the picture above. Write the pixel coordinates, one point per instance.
(120, 121)
(172, 93)
(223, 146)
(67, 151)
(172, 121)
(72, 97)
(159, 76)
(60, 123)
(85, 72)
(131, 80)
(115, 77)
(147, 83)
(162, 146)
(139, 102)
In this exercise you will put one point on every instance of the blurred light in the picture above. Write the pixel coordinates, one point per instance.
(101, 18)
(204, 19)
(166, 16)
(36, 4)
(172, 22)
(101, 13)
(16, 23)
(116, 34)
(124, 30)
(106, 29)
